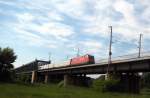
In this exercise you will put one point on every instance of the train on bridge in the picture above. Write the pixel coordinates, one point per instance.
(81, 60)
(42, 65)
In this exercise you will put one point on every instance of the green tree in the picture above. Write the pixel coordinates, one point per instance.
(7, 57)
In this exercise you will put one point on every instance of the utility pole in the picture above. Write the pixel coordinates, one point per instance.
(110, 51)
(78, 52)
(49, 57)
(140, 44)
(67, 57)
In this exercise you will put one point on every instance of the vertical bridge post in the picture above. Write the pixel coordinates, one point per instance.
(46, 78)
(33, 77)
(66, 80)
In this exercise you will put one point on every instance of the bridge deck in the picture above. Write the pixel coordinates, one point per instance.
(102, 64)
(122, 63)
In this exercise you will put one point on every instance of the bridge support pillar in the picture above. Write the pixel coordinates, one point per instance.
(80, 80)
(33, 77)
(134, 83)
(131, 82)
(46, 78)
(67, 80)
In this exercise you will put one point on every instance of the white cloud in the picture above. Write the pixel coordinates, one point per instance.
(127, 10)
(49, 28)
(25, 17)
(95, 24)
(44, 22)
(72, 8)
(34, 40)
(87, 46)
(128, 27)
(6, 2)
(55, 29)
(54, 15)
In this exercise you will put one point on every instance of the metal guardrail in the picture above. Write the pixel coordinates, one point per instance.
(124, 57)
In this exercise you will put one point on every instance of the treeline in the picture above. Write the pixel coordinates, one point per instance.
(114, 83)
(7, 57)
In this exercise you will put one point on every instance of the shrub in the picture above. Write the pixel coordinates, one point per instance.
(98, 85)
(111, 84)
(23, 78)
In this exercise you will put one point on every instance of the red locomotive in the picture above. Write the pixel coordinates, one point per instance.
(86, 59)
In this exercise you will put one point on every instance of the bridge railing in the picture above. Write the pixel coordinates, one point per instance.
(124, 57)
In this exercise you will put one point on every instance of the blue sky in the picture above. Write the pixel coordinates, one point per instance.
(35, 28)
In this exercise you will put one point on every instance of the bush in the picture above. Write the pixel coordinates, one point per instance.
(98, 85)
(106, 85)
(23, 78)
(111, 85)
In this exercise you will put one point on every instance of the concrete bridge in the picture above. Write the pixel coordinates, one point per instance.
(127, 67)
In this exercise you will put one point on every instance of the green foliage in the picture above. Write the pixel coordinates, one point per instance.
(7, 57)
(111, 84)
(99, 85)
(53, 91)
(23, 79)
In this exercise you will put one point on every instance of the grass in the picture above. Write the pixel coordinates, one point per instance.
(53, 91)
